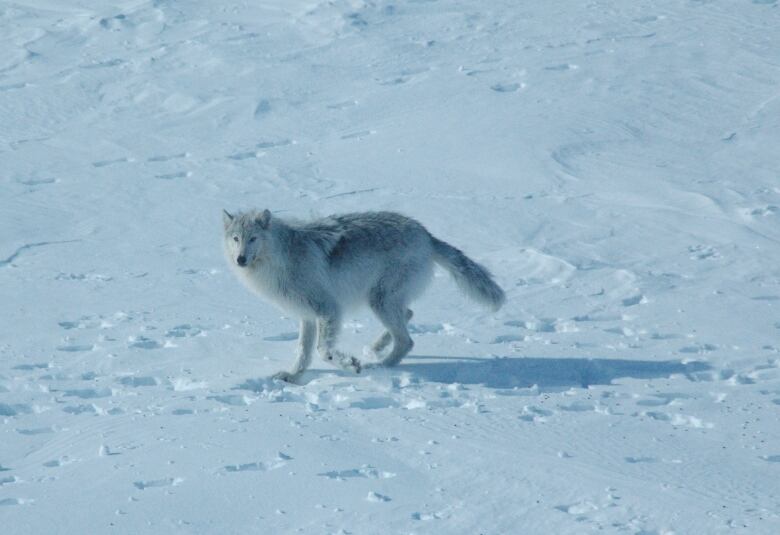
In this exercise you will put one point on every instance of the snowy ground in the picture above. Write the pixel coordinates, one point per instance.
(614, 163)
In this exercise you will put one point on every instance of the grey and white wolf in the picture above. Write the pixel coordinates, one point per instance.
(316, 270)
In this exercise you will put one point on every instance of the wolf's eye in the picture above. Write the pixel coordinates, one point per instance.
(235, 239)
(252, 239)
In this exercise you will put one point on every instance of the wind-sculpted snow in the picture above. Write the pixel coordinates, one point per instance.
(613, 164)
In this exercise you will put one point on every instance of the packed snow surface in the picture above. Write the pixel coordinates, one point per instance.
(615, 164)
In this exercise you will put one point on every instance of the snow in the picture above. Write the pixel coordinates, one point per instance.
(613, 163)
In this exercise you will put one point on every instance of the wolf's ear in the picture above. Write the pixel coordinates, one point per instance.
(226, 218)
(264, 219)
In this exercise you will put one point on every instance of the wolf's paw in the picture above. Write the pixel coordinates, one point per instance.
(372, 354)
(287, 377)
(349, 363)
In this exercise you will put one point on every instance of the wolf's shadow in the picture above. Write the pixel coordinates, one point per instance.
(545, 373)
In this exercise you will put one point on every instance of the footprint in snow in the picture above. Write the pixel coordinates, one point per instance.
(508, 338)
(173, 176)
(184, 330)
(142, 342)
(637, 460)
(7, 480)
(579, 508)
(75, 348)
(166, 158)
(365, 471)
(507, 87)
(138, 381)
(280, 460)
(89, 393)
(283, 337)
(14, 501)
(561, 67)
(158, 483)
(35, 431)
(105, 163)
(535, 414)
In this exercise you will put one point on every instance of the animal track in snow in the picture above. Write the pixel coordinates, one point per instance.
(244, 155)
(358, 135)
(105, 163)
(142, 342)
(637, 460)
(15, 409)
(343, 105)
(647, 19)
(158, 483)
(173, 176)
(507, 338)
(365, 471)
(62, 461)
(82, 323)
(638, 299)
(535, 414)
(274, 144)
(81, 409)
(426, 516)
(75, 348)
(545, 325)
(233, 399)
(661, 400)
(14, 501)
(677, 419)
(138, 381)
(702, 252)
(166, 158)
(280, 460)
(283, 337)
(581, 406)
(579, 508)
(89, 393)
(507, 87)
(7, 480)
(36, 180)
(185, 330)
(371, 403)
(377, 498)
(561, 67)
(698, 349)
(35, 431)
(763, 211)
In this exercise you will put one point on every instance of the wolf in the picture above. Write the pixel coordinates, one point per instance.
(317, 270)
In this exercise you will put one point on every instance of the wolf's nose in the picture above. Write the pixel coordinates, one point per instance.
(241, 260)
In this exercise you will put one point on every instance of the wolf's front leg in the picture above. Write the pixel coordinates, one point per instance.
(305, 346)
(328, 327)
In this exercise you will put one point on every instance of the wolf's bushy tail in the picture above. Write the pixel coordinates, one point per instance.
(475, 280)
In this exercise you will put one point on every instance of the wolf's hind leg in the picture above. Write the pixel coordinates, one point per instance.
(385, 338)
(394, 317)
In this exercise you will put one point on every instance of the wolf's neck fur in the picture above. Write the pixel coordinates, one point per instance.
(272, 275)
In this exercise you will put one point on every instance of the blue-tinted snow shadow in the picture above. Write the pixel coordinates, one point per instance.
(546, 373)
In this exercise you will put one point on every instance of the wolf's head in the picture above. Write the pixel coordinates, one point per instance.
(247, 237)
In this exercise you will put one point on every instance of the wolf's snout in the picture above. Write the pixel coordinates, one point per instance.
(241, 261)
